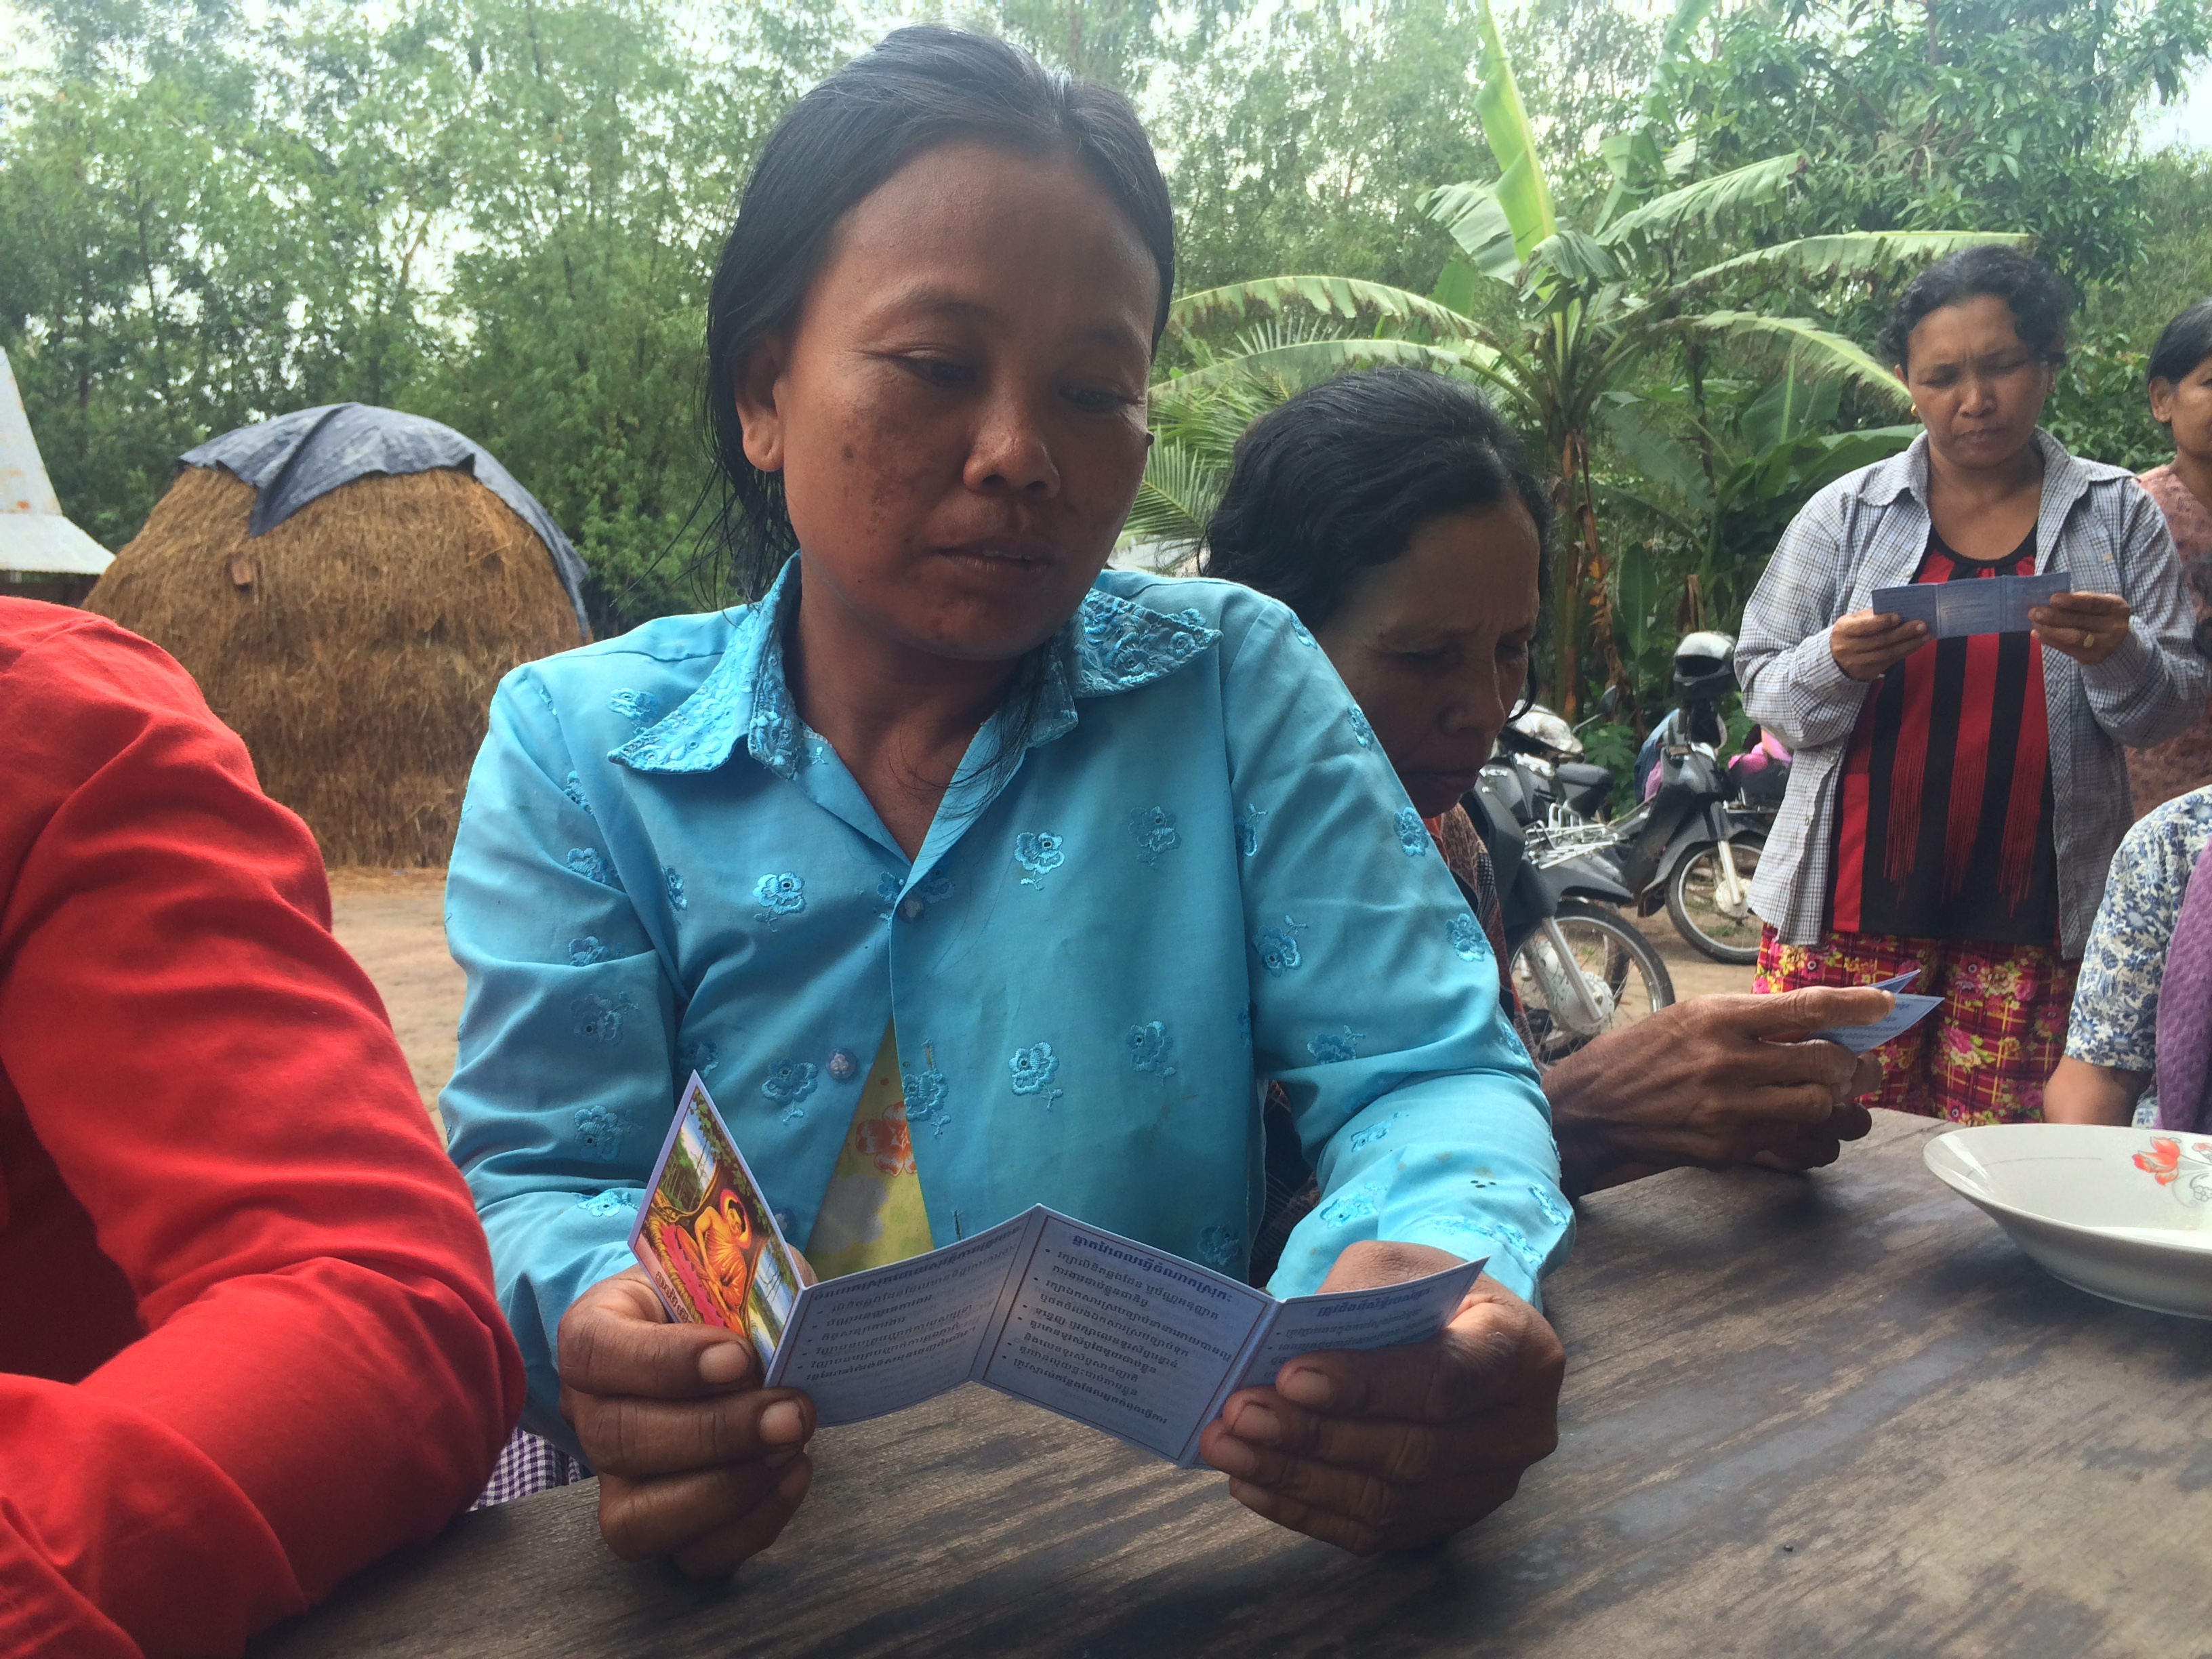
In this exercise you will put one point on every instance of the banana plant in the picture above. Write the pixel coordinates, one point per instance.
(1591, 305)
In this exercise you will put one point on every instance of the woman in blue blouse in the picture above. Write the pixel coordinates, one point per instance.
(1067, 860)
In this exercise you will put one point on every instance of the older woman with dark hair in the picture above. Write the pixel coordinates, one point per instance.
(1954, 803)
(1396, 513)
(2177, 380)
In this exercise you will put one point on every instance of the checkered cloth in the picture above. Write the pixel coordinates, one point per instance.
(526, 1466)
(1869, 529)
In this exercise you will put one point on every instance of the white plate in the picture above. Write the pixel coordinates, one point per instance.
(2123, 1214)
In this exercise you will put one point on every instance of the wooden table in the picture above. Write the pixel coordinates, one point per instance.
(1840, 1414)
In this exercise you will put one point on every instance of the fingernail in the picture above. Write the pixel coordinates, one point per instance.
(1232, 1456)
(782, 1424)
(1257, 1423)
(1307, 1387)
(726, 1362)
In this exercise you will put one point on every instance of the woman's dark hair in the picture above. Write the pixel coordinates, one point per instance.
(2182, 344)
(918, 89)
(1336, 481)
(2040, 302)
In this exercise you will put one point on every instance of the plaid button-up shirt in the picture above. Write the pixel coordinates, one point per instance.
(1870, 530)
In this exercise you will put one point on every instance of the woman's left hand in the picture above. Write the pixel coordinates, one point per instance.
(1397, 1447)
(2087, 627)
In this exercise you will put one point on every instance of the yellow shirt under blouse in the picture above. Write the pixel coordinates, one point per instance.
(872, 1213)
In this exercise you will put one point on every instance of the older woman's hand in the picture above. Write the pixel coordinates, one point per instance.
(1714, 1081)
(1402, 1446)
(1866, 645)
(696, 1461)
(2087, 627)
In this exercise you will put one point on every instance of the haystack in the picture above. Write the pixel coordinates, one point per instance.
(354, 644)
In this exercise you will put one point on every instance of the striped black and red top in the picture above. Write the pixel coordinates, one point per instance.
(1943, 821)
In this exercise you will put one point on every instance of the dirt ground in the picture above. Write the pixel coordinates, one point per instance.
(394, 921)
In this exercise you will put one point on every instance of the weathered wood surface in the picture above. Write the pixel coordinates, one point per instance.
(1839, 1415)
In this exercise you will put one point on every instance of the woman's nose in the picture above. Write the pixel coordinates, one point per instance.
(1009, 451)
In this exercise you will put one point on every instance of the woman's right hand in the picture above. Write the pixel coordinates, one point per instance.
(696, 1461)
(1866, 646)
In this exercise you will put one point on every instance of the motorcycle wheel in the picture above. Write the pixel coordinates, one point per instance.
(1612, 955)
(1693, 905)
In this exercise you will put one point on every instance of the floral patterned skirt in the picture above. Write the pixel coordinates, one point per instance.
(1985, 1055)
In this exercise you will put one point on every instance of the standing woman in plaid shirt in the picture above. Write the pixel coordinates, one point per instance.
(1954, 804)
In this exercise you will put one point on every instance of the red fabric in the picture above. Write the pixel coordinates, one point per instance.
(248, 1341)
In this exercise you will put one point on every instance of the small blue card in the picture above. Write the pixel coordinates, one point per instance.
(1986, 604)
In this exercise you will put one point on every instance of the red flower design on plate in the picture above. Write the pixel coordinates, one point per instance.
(2162, 1162)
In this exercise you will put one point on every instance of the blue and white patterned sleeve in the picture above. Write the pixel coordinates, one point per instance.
(1375, 996)
(2115, 1017)
(565, 1033)
(1792, 683)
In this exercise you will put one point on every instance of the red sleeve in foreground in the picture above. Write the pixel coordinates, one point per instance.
(325, 1374)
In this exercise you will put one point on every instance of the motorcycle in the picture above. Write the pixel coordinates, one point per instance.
(1690, 846)
(1579, 967)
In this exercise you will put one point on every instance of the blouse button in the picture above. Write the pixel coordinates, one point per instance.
(911, 909)
(843, 1064)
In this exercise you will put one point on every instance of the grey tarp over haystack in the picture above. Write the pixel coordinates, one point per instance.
(296, 458)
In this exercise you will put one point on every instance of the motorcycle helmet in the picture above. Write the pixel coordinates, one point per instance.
(1704, 667)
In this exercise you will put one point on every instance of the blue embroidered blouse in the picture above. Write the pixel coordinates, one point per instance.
(1199, 871)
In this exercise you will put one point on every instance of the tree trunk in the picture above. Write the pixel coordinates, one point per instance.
(1567, 587)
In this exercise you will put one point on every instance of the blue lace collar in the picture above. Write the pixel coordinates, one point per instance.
(1110, 646)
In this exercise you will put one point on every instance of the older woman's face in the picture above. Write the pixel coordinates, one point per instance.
(1975, 386)
(1434, 647)
(958, 414)
(2186, 409)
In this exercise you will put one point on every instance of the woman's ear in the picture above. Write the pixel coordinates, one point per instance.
(757, 384)
(2161, 401)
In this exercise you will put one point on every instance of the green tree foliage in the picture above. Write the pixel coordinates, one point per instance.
(1647, 280)
(2004, 114)
(501, 216)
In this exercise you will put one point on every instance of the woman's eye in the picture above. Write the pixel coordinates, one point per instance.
(1099, 399)
(938, 371)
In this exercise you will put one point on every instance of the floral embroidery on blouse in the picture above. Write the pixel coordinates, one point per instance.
(1221, 1249)
(1466, 936)
(2115, 1015)
(1299, 632)
(1248, 832)
(782, 895)
(1357, 1205)
(1412, 834)
(702, 1057)
(1154, 828)
(639, 706)
(925, 1090)
(1334, 1048)
(600, 1129)
(598, 1019)
(1149, 1047)
(787, 1084)
(936, 886)
(1132, 644)
(1361, 731)
(1033, 1068)
(616, 1201)
(573, 787)
(587, 863)
(583, 952)
(1039, 852)
(887, 893)
(674, 883)
(1279, 946)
